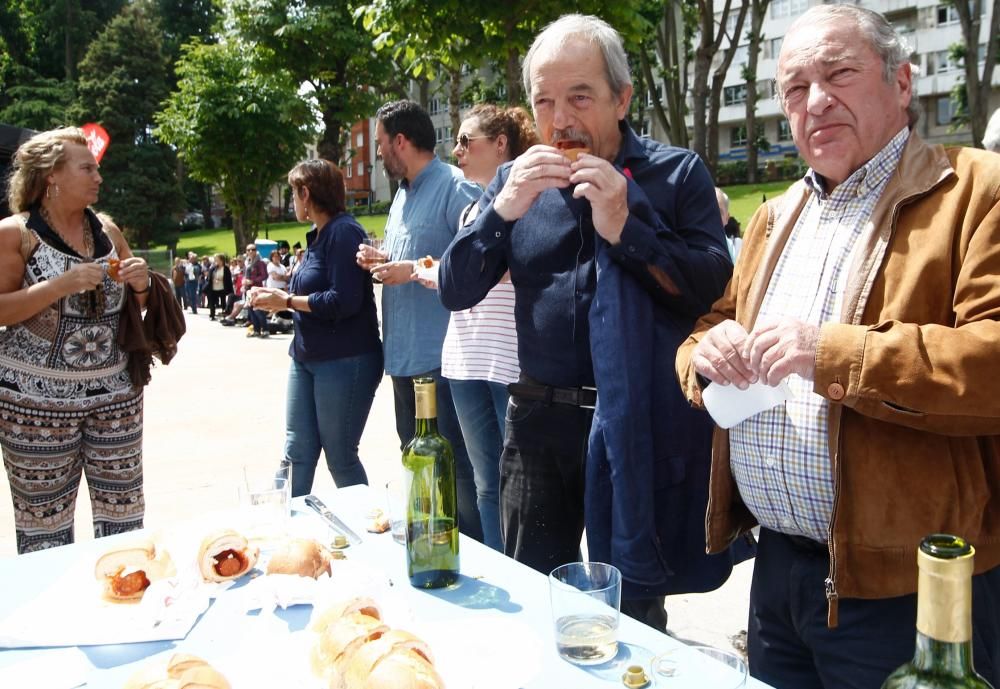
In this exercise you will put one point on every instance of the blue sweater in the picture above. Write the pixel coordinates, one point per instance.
(342, 321)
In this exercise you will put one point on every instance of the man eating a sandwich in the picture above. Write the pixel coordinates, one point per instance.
(614, 246)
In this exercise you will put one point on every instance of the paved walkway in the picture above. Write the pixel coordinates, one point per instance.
(220, 407)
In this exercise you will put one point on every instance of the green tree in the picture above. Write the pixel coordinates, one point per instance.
(471, 31)
(663, 59)
(235, 127)
(319, 43)
(41, 43)
(755, 36)
(978, 87)
(122, 80)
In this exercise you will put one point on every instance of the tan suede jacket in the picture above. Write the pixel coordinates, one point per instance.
(911, 371)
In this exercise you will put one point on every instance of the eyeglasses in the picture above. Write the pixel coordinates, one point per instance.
(464, 139)
(250, 248)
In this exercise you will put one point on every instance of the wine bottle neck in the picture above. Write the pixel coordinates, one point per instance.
(949, 658)
(426, 427)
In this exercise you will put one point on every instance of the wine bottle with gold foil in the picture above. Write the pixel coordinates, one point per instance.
(943, 656)
(432, 500)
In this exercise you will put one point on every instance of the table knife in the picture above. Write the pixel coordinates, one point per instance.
(330, 518)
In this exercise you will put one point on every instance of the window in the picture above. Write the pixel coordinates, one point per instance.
(361, 168)
(734, 14)
(738, 136)
(941, 62)
(645, 128)
(734, 95)
(360, 140)
(349, 171)
(788, 8)
(946, 14)
(435, 106)
(784, 131)
(772, 48)
(945, 110)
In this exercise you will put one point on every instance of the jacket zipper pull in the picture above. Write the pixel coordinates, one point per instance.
(831, 600)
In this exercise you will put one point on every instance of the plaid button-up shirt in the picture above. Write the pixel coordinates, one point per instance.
(781, 457)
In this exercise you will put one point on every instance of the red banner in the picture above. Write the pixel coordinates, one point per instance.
(97, 139)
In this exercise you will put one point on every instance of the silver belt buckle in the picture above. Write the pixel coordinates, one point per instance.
(589, 406)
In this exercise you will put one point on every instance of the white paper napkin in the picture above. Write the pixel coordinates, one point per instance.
(729, 405)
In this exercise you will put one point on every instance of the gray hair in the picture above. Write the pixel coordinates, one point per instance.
(881, 36)
(991, 138)
(593, 30)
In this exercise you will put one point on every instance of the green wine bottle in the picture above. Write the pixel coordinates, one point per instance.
(943, 655)
(432, 501)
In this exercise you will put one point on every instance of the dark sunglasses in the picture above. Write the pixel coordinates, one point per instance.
(464, 139)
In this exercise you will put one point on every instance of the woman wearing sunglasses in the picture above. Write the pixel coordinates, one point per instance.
(480, 349)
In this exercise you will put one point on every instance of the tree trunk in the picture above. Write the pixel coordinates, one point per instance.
(978, 88)
(718, 80)
(424, 93)
(512, 75)
(330, 146)
(699, 93)
(759, 8)
(650, 83)
(205, 203)
(455, 98)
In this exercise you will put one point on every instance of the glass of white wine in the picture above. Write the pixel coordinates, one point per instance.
(701, 666)
(586, 599)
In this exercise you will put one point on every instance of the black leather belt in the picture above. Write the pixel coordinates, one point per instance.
(585, 398)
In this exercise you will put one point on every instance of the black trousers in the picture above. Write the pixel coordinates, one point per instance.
(541, 491)
(790, 646)
(405, 404)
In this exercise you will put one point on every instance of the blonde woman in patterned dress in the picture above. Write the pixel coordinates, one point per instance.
(67, 405)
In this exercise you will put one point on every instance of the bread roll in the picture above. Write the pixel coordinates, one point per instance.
(338, 641)
(127, 573)
(363, 604)
(183, 671)
(301, 556)
(354, 671)
(403, 668)
(225, 555)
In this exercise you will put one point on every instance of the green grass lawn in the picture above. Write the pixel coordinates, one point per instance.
(221, 240)
(744, 199)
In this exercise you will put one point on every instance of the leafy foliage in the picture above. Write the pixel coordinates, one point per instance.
(236, 127)
(122, 80)
(319, 43)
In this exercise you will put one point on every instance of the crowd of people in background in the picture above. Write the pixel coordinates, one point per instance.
(221, 284)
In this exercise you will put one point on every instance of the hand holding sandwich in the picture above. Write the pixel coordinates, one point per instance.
(539, 168)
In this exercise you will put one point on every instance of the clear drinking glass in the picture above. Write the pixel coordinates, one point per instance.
(265, 503)
(586, 599)
(702, 666)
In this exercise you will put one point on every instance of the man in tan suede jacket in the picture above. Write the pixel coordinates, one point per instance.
(872, 287)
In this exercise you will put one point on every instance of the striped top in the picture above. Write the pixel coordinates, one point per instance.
(780, 458)
(481, 342)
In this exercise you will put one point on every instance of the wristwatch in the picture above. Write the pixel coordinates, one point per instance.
(288, 303)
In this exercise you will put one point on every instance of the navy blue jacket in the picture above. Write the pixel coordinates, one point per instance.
(342, 321)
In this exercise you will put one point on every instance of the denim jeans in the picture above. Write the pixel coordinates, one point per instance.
(191, 290)
(481, 407)
(259, 320)
(469, 521)
(327, 408)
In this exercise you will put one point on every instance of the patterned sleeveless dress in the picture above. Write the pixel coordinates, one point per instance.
(67, 405)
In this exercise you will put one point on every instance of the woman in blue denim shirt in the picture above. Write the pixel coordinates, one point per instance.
(336, 352)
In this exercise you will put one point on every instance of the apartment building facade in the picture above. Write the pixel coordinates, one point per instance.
(929, 27)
